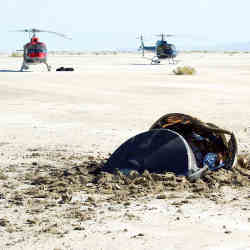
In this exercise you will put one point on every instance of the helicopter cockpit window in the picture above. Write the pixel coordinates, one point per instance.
(36, 49)
(173, 47)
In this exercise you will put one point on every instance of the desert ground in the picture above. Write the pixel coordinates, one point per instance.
(56, 121)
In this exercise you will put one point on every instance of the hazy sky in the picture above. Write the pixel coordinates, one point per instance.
(113, 24)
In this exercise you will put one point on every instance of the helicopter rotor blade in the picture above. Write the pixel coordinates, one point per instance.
(55, 33)
(38, 30)
(25, 30)
(165, 35)
(180, 35)
(169, 35)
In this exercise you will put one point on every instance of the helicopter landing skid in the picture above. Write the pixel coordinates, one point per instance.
(172, 61)
(48, 66)
(24, 67)
(155, 60)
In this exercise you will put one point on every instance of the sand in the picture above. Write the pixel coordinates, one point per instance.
(57, 119)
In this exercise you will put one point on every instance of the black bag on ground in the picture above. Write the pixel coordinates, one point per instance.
(64, 69)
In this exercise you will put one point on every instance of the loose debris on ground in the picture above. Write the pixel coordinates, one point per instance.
(88, 177)
(34, 190)
(58, 184)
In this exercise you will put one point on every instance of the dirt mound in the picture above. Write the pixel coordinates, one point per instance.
(88, 177)
(72, 189)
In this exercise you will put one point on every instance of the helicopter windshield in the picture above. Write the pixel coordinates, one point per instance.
(173, 47)
(36, 48)
(161, 43)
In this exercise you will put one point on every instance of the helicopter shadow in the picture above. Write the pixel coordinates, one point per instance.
(11, 71)
(158, 64)
(145, 64)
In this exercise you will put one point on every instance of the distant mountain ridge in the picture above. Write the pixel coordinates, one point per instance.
(240, 47)
(235, 47)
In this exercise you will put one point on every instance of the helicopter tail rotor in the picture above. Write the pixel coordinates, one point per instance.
(142, 44)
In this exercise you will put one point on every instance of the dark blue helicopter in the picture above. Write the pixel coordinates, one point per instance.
(162, 49)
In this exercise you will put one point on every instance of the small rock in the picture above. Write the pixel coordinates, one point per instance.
(138, 235)
(79, 228)
(4, 222)
(89, 184)
(161, 196)
(90, 199)
(31, 221)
